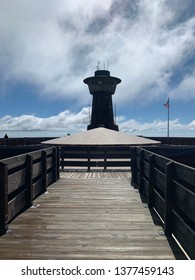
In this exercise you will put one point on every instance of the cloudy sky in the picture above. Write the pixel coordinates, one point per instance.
(48, 47)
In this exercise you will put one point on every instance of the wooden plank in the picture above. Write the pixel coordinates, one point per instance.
(145, 187)
(184, 200)
(160, 162)
(14, 162)
(3, 198)
(146, 155)
(16, 180)
(159, 204)
(118, 155)
(184, 234)
(97, 163)
(97, 156)
(76, 163)
(36, 155)
(49, 151)
(159, 181)
(55, 165)
(38, 188)
(141, 169)
(115, 163)
(37, 169)
(151, 181)
(87, 215)
(146, 169)
(58, 163)
(49, 163)
(16, 205)
(169, 198)
(95, 148)
(50, 178)
(133, 167)
(137, 162)
(75, 155)
(44, 166)
(29, 180)
(185, 173)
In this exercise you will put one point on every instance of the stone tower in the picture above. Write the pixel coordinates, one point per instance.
(102, 86)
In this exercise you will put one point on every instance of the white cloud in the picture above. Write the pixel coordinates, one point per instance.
(158, 128)
(71, 122)
(54, 45)
(186, 88)
(66, 121)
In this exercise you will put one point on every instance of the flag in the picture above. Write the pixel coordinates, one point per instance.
(167, 104)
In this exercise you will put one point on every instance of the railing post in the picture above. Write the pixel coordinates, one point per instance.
(55, 165)
(141, 170)
(88, 160)
(58, 163)
(105, 160)
(151, 180)
(29, 180)
(130, 160)
(133, 166)
(62, 158)
(3, 198)
(168, 218)
(44, 165)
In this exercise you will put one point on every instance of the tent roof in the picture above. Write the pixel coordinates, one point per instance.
(101, 136)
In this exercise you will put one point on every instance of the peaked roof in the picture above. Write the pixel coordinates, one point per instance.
(101, 136)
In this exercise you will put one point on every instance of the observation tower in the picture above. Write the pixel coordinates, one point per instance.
(102, 86)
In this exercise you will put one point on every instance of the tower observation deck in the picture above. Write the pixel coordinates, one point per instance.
(102, 86)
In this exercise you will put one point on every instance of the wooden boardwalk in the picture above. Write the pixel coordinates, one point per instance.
(87, 215)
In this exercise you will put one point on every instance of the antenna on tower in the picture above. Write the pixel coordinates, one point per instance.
(102, 65)
(98, 65)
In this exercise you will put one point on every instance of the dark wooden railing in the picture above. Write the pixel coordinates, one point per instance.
(22, 179)
(27, 141)
(177, 141)
(168, 186)
(87, 157)
(90, 157)
(12, 151)
(23, 141)
(170, 190)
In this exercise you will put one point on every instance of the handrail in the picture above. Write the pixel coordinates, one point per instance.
(89, 157)
(169, 188)
(23, 141)
(22, 179)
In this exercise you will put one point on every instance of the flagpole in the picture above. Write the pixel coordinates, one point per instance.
(168, 122)
(167, 106)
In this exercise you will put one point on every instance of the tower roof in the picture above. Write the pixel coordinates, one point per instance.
(102, 73)
(102, 76)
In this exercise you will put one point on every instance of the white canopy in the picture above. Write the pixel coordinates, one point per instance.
(101, 136)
